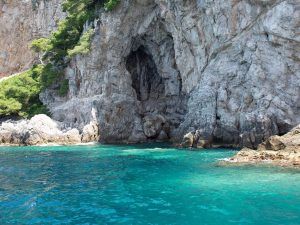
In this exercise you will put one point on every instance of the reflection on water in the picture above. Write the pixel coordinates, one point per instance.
(141, 185)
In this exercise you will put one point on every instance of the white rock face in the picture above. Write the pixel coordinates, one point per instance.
(21, 21)
(41, 129)
(226, 71)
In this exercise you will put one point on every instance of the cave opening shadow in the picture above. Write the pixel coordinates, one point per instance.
(146, 81)
(160, 112)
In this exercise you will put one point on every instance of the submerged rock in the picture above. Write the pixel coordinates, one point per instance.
(41, 129)
(279, 150)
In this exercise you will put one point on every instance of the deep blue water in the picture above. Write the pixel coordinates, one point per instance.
(141, 185)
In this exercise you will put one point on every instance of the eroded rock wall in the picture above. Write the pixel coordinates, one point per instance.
(229, 71)
(21, 21)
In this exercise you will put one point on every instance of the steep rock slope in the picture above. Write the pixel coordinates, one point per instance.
(227, 71)
(21, 21)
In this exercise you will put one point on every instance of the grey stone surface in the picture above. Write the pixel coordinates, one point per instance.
(21, 21)
(227, 72)
(41, 130)
(278, 150)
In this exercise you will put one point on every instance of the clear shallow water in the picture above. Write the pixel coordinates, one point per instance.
(141, 185)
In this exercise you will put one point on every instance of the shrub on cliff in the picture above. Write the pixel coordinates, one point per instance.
(83, 46)
(111, 4)
(19, 95)
(69, 40)
(69, 35)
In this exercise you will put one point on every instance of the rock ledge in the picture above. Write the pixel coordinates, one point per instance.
(278, 150)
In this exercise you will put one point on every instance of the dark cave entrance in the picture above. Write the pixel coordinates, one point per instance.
(157, 84)
(146, 81)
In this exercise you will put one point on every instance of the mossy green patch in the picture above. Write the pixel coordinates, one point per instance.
(84, 44)
(111, 4)
(64, 88)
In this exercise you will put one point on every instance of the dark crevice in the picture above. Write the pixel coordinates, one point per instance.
(157, 83)
(146, 81)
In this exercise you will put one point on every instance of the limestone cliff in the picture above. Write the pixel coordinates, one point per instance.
(21, 21)
(227, 72)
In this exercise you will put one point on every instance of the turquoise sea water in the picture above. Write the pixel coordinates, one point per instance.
(141, 185)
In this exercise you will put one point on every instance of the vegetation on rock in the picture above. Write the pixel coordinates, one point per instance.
(19, 95)
(83, 46)
(64, 87)
(111, 4)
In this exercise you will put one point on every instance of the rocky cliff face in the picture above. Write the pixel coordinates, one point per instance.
(226, 72)
(21, 21)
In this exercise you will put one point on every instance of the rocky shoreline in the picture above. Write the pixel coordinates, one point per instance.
(277, 150)
(42, 130)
